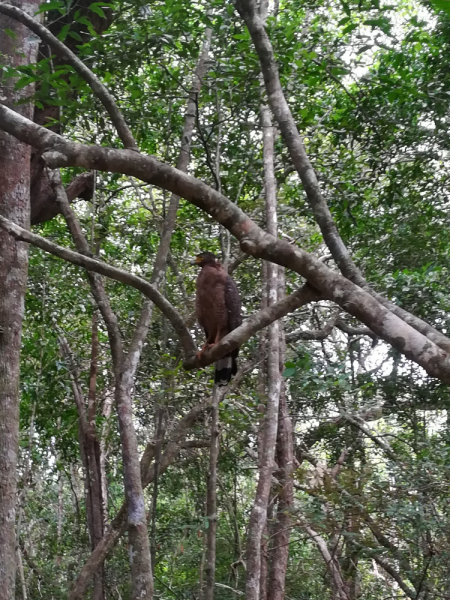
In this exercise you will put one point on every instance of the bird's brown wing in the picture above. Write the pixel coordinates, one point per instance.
(233, 304)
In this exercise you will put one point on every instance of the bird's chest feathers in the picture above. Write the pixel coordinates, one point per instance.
(211, 284)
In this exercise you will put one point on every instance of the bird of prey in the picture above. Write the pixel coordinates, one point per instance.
(218, 309)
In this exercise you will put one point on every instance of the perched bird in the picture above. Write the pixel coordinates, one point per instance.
(218, 309)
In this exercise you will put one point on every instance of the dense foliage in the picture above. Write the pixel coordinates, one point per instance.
(369, 87)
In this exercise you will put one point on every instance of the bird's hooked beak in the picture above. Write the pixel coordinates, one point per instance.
(198, 261)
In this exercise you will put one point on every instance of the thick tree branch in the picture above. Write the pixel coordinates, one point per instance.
(393, 573)
(248, 10)
(62, 51)
(422, 348)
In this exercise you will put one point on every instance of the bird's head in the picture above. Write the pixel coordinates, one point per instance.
(205, 258)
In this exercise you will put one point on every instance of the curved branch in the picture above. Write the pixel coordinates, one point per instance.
(318, 334)
(350, 330)
(97, 266)
(63, 51)
(426, 347)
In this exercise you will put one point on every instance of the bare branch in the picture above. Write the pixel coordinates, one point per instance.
(91, 264)
(282, 113)
(97, 287)
(346, 328)
(379, 442)
(393, 573)
(426, 348)
(330, 561)
(318, 334)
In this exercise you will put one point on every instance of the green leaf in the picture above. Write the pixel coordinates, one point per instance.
(55, 5)
(24, 81)
(64, 31)
(85, 21)
(350, 28)
(96, 8)
(75, 36)
(10, 33)
(289, 372)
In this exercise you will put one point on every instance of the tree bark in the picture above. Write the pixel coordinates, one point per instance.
(421, 343)
(258, 517)
(16, 50)
(285, 462)
(211, 498)
(94, 497)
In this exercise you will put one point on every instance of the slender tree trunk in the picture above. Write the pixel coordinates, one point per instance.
(159, 438)
(94, 483)
(258, 515)
(89, 449)
(15, 50)
(211, 499)
(262, 391)
(285, 462)
(106, 414)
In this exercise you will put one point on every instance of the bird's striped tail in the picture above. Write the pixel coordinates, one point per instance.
(225, 368)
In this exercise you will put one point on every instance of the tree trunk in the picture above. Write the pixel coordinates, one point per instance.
(89, 449)
(18, 49)
(285, 462)
(94, 498)
(211, 499)
(258, 517)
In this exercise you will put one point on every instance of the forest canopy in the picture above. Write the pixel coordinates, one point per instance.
(306, 144)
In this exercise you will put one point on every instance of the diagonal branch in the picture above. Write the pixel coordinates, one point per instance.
(426, 346)
(332, 563)
(63, 51)
(97, 287)
(92, 264)
(318, 334)
(359, 423)
(248, 10)
(393, 573)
